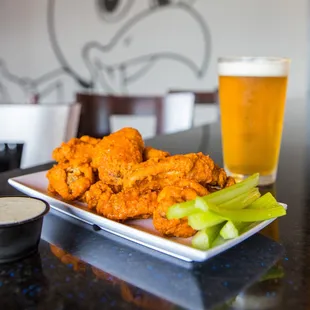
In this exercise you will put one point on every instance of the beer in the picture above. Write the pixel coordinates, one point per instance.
(252, 94)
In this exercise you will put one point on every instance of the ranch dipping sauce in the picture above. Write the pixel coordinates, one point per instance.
(18, 209)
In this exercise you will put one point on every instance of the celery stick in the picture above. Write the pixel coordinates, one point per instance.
(201, 204)
(233, 229)
(263, 202)
(186, 208)
(250, 215)
(218, 241)
(204, 238)
(241, 201)
(183, 209)
(228, 193)
(194, 206)
(203, 220)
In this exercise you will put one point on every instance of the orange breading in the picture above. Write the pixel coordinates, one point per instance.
(80, 150)
(70, 180)
(128, 204)
(116, 154)
(119, 178)
(150, 152)
(197, 167)
(96, 192)
(183, 191)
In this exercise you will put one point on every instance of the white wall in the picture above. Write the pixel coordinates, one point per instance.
(237, 27)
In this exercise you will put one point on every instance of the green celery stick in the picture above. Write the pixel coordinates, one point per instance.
(201, 204)
(194, 206)
(241, 201)
(203, 220)
(186, 208)
(204, 238)
(233, 229)
(263, 202)
(183, 209)
(233, 191)
(238, 202)
(218, 241)
(250, 215)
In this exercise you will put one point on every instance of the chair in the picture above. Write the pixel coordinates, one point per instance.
(40, 128)
(98, 113)
(206, 109)
(10, 156)
(200, 96)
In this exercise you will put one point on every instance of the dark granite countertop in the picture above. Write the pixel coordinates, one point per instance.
(79, 268)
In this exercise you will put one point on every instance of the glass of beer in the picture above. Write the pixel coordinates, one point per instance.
(252, 94)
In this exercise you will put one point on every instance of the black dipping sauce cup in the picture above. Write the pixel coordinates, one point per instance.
(21, 239)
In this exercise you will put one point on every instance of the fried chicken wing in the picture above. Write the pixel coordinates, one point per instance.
(116, 154)
(124, 205)
(128, 204)
(150, 152)
(156, 173)
(70, 180)
(219, 177)
(96, 192)
(183, 190)
(223, 180)
(121, 179)
(230, 181)
(80, 150)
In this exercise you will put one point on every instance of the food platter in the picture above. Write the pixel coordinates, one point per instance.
(140, 231)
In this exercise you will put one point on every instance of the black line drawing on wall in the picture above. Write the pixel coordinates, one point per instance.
(106, 9)
(128, 55)
(33, 89)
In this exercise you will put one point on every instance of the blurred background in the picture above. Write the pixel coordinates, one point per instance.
(58, 47)
(53, 52)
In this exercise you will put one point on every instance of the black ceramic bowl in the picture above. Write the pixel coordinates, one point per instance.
(21, 239)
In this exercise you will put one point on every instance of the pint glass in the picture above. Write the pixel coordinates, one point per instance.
(252, 93)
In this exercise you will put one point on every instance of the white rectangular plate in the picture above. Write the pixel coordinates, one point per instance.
(139, 231)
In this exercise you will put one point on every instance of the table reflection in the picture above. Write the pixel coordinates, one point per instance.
(272, 230)
(145, 278)
(68, 259)
(265, 294)
(129, 293)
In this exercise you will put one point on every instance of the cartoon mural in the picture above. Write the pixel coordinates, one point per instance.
(135, 45)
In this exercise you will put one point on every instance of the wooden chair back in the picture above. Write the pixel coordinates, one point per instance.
(201, 97)
(97, 110)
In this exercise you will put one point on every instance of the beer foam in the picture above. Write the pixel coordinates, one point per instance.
(256, 67)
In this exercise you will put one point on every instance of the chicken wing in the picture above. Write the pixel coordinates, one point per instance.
(70, 180)
(116, 154)
(230, 181)
(128, 204)
(121, 179)
(96, 192)
(156, 173)
(80, 150)
(150, 152)
(183, 190)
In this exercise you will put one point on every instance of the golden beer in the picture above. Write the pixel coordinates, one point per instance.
(252, 93)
